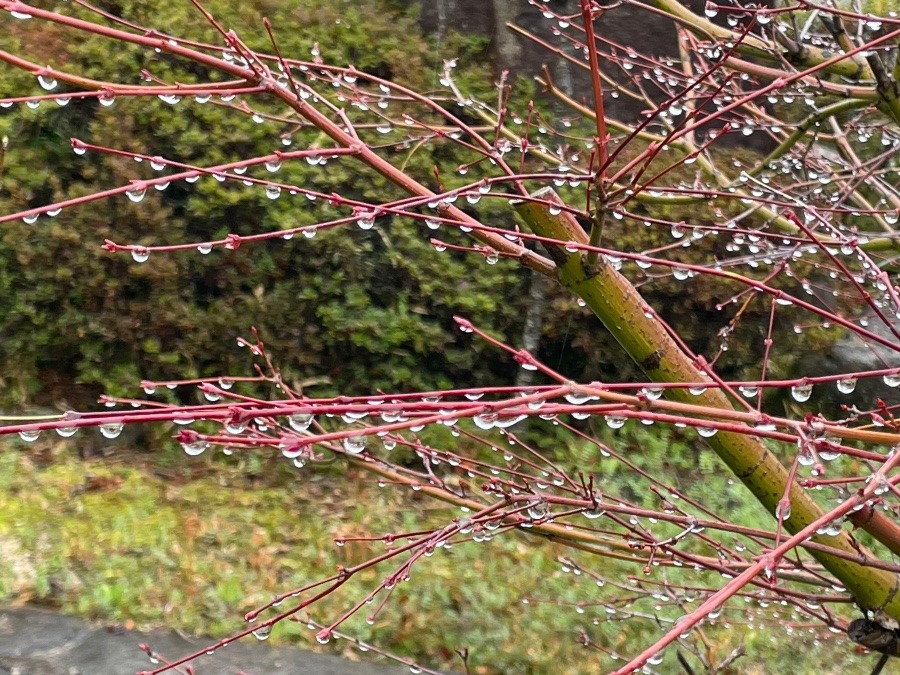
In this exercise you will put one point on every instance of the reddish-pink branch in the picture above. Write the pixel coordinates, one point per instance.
(587, 16)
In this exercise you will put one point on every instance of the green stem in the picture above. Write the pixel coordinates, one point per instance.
(754, 46)
(804, 126)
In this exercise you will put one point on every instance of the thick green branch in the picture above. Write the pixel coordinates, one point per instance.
(622, 310)
(754, 46)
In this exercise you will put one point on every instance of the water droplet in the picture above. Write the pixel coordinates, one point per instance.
(195, 448)
(106, 98)
(111, 430)
(235, 427)
(508, 420)
(491, 257)
(157, 163)
(273, 191)
(140, 254)
(273, 165)
(291, 450)
(748, 391)
(615, 421)
(204, 249)
(485, 421)
(29, 435)
(137, 193)
(847, 385)
(19, 15)
(538, 510)
(263, 632)
(366, 220)
(802, 392)
(653, 393)
(47, 82)
(829, 455)
(594, 512)
(66, 432)
(355, 444)
(577, 399)
(706, 432)
(300, 421)
(892, 380)
(783, 511)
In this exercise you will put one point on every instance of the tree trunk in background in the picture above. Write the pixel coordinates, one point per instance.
(534, 321)
(509, 55)
(444, 10)
(506, 45)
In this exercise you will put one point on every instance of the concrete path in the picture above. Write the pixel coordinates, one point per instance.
(40, 642)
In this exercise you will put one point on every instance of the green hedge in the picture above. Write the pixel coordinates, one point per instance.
(354, 311)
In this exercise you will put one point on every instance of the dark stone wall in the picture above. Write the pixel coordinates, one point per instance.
(633, 26)
(626, 25)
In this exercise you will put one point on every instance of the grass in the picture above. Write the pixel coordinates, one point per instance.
(193, 544)
(112, 540)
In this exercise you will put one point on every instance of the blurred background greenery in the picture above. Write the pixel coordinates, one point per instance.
(158, 541)
(350, 311)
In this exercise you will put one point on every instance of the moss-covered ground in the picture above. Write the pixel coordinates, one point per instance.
(193, 543)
